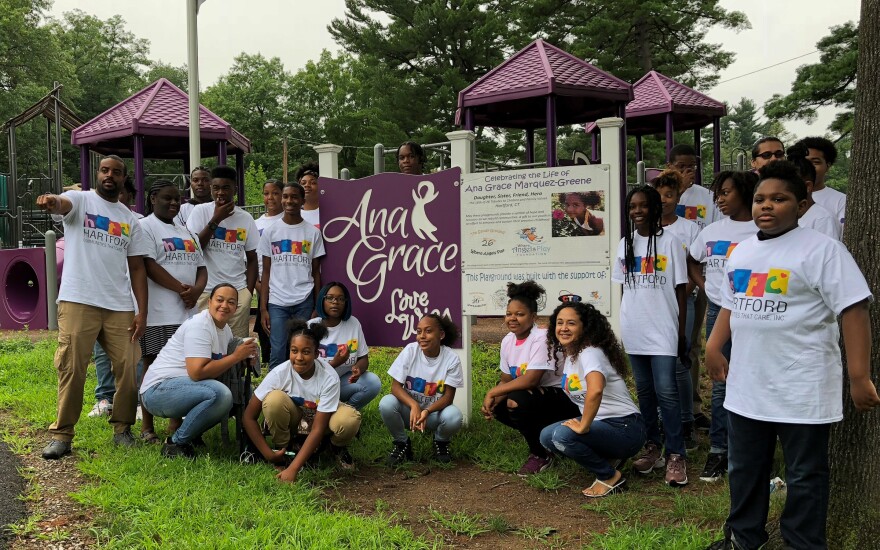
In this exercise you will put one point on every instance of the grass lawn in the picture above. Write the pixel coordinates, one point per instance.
(140, 499)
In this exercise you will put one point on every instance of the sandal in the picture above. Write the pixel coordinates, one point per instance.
(151, 438)
(618, 487)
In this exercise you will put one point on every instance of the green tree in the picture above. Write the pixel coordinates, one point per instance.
(253, 97)
(179, 76)
(107, 58)
(854, 520)
(830, 82)
(254, 179)
(631, 37)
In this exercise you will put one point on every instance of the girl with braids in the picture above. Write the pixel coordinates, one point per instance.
(176, 277)
(424, 378)
(272, 201)
(529, 396)
(651, 266)
(610, 427)
(304, 388)
(307, 176)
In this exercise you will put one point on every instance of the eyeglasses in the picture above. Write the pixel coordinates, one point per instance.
(767, 155)
(335, 299)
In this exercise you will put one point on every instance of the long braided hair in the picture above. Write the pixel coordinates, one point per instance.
(655, 229)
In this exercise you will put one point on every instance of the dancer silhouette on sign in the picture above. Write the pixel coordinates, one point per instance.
(421, 225)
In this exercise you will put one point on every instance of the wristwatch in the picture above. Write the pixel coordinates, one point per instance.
(213, 226)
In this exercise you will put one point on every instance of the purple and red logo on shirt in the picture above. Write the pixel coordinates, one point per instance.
(176, 243)
(96, 221)
(230, 235)
(287, 246)
(420, 385)
(720, 248)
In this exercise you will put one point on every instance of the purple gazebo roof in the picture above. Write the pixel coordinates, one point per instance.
(513, 94)
(657, 95)
(160, 113)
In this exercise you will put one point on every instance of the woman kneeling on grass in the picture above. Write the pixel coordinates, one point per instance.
(611, 427)
(529, 395)
(424, 378)
(180, 382)
(304, 388)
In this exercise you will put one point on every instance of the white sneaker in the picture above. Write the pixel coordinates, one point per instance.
(101, 408)
(138, 415)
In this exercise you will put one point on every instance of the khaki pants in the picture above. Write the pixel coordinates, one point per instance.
(79, 326)
(700, 306)
(282, 417)
(240, 322)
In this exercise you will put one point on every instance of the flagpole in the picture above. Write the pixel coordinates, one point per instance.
(192, 36)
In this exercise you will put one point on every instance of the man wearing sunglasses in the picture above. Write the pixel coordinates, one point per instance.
(767, 150)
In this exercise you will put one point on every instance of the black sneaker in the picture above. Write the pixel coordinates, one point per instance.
(690, 441)
(702, 422)
(441, 452)
(727, 543)
(56, 449)
(716, 467)
(343, 458)
(400, 453)
(124, 439)
(173, 450)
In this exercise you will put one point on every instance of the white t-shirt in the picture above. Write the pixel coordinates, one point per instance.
(685, 230)
(649, 309)
(529, 354)
(616, 401)
(262, 223)
(784, 297)
(184, 212)
(292, 249)
(833, 201)
(425, 378)
(177, 250)
(225, 253)
(99, 237)
(312, 217)
(697, 205)
(712, 248)
(348, 334)
(320, 393)
(196, 337)
(819, 219)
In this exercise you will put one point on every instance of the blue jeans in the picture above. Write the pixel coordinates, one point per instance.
(719, 429)
(201, 404)
(656, 385)
(361, 392)
(807, 475)
(279, 316)
(106, 387)
(395, 415)
(683, 377)
(610, 438)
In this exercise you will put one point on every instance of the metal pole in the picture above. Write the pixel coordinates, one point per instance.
(740, 162)
(192, 35)
(84, 166)
(551, 131)
(51, 280)
(284, 161)
(49, 152)
(530, 145)
(699, 169)
(12, 187)
(378, 158)
(345, 174)
(716, 144)
(58, 178)
(670, 138)
(640, 172)
(139, 173)
(640, 155)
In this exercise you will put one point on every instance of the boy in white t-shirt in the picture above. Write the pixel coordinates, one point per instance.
(787, 286)
(822, 153)
(307, 176)
(199, 191)
(697, 205)
(291, 250)
(228, 237)
(816, 217)
(95, 302)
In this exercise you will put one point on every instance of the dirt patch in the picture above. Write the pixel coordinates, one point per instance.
(415, 498)
(55, 520)
(12, 509)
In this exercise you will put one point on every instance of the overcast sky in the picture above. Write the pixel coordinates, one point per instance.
(296, 31)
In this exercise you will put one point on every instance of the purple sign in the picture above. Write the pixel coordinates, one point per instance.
(395, 241)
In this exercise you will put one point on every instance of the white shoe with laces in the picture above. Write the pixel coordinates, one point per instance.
(101, 408)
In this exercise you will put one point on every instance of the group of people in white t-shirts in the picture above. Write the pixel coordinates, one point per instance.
(759, 250)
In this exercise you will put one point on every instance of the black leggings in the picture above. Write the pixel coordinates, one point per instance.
(535, 410)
